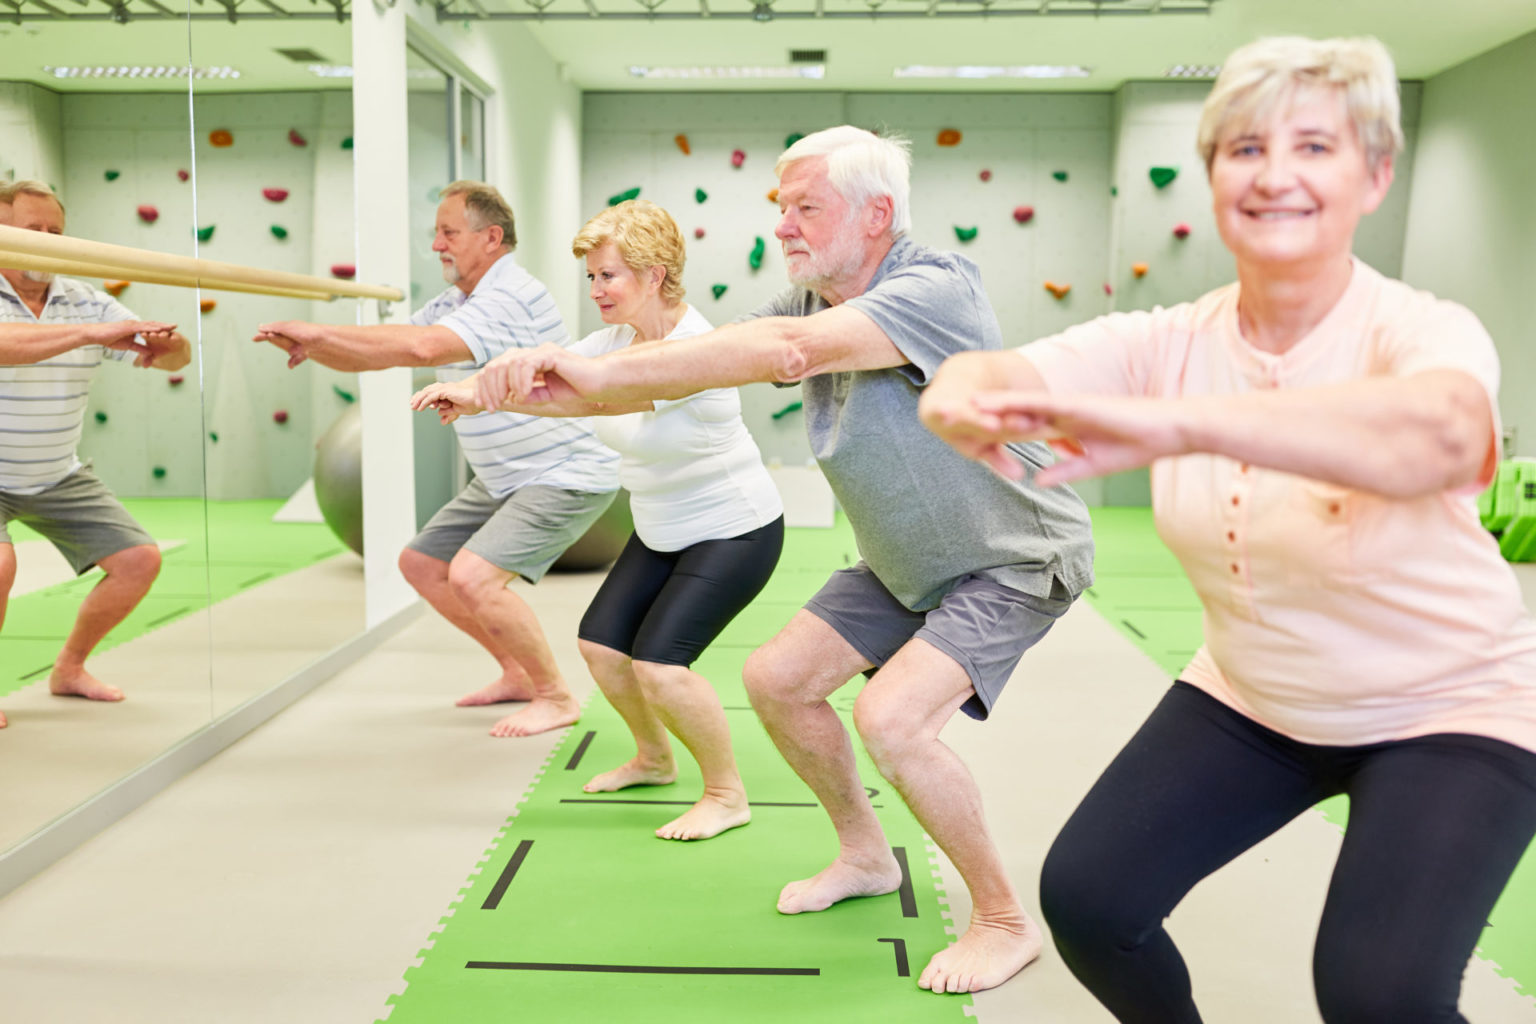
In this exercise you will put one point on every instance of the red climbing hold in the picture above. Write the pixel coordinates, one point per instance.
(738, 157)
(1023, 214)
(148, 214)
(297, 139)
(281, 416)
(344, 270)
(276, 195)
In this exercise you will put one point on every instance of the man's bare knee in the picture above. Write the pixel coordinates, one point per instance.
(887, 727)
(767, 678)
(422, 570)
(473, 579)
(139, 564)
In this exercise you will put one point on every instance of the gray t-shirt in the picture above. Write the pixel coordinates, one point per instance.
(926, 517)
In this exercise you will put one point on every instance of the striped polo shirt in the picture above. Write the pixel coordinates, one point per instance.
(42, 405)
(510, 309)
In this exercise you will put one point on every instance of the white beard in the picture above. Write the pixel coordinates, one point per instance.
(451, 273)
(37, 276)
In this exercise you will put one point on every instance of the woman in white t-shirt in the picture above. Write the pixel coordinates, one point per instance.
(709, 523)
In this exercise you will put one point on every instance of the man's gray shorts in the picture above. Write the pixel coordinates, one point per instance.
(80, 515)
(522, 533)
(984, 626)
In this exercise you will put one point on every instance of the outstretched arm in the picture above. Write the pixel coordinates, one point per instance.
(21, 344)
(375, 347)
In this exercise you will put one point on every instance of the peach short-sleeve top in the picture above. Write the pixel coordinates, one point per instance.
(1332, 615)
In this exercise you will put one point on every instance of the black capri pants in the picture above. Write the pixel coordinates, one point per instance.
(667, 606)
(1436, 826)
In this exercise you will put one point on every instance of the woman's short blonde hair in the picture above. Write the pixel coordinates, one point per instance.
(1262, 78)
(646, 236)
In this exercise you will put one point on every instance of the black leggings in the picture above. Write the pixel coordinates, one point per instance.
(1436, 827)
(667, 606)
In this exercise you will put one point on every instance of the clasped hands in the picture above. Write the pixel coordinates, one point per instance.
(148, 340)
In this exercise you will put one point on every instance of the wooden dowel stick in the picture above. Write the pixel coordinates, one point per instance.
(27, 261)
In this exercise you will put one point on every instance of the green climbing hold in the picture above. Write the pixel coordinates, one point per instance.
(203, 234)
(159, 472)
(1059, 175)
(279, 232)
(699, 195)
(755, 259)
(625, 196)
(1161, 176)
(1113, 191)
(344, 395)
(346, 143)
(791, 407)
(718, 289)
(114, 175)
(101, 417)
(965, 234)
(213, 435)
(792, 138)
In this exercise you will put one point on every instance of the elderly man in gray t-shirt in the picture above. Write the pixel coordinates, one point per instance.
(962, 570)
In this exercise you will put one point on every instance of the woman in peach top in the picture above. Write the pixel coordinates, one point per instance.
(1319, 431)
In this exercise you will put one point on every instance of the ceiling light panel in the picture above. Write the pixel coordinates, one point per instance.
(981, 71)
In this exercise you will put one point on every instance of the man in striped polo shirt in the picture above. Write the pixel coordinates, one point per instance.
(539, 483)
(54, 333)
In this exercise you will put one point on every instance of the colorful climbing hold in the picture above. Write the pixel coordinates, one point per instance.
(1113, 191)
(176, 380)
(985, 175)
(965, 234)
(1058, 290)
(949, 137)
(274, 195)
(1107, 289)
(182, 175)
(346, 143)
(220, 138)
(625, 196)
(159, 472)
(1161, 176)
(699, 195)
(297, 139)
(280, 416)
(738, 157)
(114, 288)
(792, 138)
(207, 305)
(773, 195)
(213, 435)
(755, 258)
(682, 144)
(148, 214)
(346, 271)
(101, 417)
(791, 407)
(1139, 269)
(279, 232)
(203, 234)
(113, 175)
(698, 232)
(1059, 175)
(718, 289)
(343, 394)
(1181, 230)
(1023, 214)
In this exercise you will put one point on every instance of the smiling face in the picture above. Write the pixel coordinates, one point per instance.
(817, 229)
(466, 253)
(1290, 191)
(622, 296)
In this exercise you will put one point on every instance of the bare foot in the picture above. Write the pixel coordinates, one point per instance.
(988, 954)
(502, 690)
(78, 682)
(539, 716)
(713, 814)
(841, 880)
(633, 772)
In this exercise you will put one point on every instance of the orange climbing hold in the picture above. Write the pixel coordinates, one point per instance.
(773, 195)
(114, 288)
(1058, 290)
(1139, 269)
(682, 144)
(207, 305)
(220, 138)
(949, 137)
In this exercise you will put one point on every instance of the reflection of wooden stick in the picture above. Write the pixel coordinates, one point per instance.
(26, 261)
(125, 262)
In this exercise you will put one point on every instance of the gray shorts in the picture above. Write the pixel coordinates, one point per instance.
(522, 533)
(80, 515)
(984, 626)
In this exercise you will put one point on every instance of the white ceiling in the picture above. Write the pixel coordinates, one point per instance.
(1426, 37)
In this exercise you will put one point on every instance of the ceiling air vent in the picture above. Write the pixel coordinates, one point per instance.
(303, 55)
(807, 56)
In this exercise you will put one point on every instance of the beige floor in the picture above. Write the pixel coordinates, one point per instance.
(296, 876)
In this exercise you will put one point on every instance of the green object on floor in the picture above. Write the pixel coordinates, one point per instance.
(1143, 592)
(579, 913)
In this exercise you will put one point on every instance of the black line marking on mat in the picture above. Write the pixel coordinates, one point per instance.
(178, 613)
(36, 671)
(581, 749)
(501, 965)
(900, 946)
(871, 792)
(257, 579)
(737, 707)
(908, 898)
(682, 803)
(500, 888)
(1127, 624)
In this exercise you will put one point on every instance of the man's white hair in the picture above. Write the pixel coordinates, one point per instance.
(861, 166)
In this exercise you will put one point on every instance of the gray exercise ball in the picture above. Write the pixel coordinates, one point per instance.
(339, 477)
(604, 539)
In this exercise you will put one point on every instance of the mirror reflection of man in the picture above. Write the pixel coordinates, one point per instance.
(539, 483)
(54, 333)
